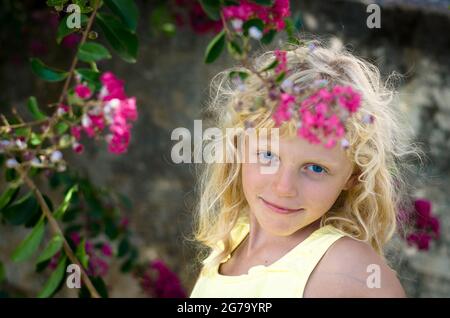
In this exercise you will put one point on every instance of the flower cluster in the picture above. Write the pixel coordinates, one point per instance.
(321, 113)
(114, 109)
(166, 284)
(273, 17)
(97, 264)
(427, 226)
(197, 19)
(281, 57)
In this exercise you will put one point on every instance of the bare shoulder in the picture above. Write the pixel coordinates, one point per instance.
(351, 268)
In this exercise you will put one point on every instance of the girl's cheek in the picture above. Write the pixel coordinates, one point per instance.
(252, 177)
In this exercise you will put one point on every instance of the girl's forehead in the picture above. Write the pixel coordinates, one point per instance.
(298, 147)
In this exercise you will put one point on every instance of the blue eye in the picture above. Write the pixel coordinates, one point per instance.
(266, 156)
(316, 169)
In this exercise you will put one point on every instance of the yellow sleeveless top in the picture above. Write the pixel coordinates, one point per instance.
(286, 277)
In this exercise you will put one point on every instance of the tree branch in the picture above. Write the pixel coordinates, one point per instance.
(54, 226)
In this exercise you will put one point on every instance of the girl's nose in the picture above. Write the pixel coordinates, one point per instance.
(284, 184)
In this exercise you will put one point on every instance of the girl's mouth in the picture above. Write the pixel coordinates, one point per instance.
(277, 208)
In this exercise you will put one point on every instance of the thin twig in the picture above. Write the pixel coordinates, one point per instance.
(54, 226)
(53, 119)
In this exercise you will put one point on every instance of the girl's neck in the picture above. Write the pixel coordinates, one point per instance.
(260, 241)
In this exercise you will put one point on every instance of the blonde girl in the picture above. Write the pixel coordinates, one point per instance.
(318, 225)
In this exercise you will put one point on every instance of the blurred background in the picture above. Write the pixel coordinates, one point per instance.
(170, 82)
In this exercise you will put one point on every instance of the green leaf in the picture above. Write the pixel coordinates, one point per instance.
(64, 30)
(91, 52)
(258, 23)
(56, 3)
(88, 74)
(126, 10)
(84, 7)
(211, 8)
(280, 78)
(123, 248)
(234, 48)
(290, 30)
(35, 139)
(41, 266)
(215, 47)
(52, 248)
(111, 229)
(2, 272)
(81, 253)
(23, 131)
(270, 66)
(122, 40)
(241, 74)
(128, 264)
(66, 202)
(45, 72)
(61, 127)
(267, 3)
(99, 285)
(28, 246)
(33, 107)
(54, 280)
(161, 19)
(8, 195)
(22, 210)
(268, 37)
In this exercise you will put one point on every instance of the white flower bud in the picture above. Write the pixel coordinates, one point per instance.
(287, 85)
(35, 162)
(344, 143)
(237, 24)
(86, 121)
(20, 144)
(11, 163)
(56, 156)
(255, 33)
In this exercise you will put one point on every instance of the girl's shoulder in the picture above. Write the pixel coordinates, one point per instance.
(351, 268)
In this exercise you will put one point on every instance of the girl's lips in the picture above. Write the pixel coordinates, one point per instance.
(279, 209)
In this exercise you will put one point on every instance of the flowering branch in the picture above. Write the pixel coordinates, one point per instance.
(95, 101)
(55, 228)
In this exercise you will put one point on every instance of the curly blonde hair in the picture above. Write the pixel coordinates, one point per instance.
(368, 211)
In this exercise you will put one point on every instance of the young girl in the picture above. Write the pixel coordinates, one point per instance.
(317, 225)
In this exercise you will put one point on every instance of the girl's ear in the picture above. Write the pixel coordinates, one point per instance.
(351, 182)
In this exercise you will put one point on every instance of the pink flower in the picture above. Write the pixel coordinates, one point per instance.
(284, 112)
(127, 109)
(71, 41)
(427, 226)
(282, 61)
(114, 110)
(124, 222)
(75, 238)
(63, 109)
(112, 87)
(166, 284)
(76, 132)
(273, 16)
(78, 148)
(347, 97)
(83, 91)
(421, 240)
(106, 249)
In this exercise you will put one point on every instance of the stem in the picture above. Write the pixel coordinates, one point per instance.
(72, 69)
(53, 119)
(54, 226)
(75, 59)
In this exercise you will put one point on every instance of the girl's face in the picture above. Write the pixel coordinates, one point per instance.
(305, 185)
